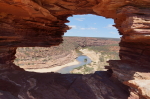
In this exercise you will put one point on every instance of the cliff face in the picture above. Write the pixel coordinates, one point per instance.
(41, 23)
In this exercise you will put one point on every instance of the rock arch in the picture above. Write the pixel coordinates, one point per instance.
(41, 23)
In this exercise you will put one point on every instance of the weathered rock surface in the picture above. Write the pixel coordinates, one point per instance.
(41, 23)
(59, 86)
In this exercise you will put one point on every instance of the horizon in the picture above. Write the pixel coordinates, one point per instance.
(89, 25)
(93, 37)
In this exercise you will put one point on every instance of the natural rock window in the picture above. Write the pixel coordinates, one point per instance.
(86, 48)
(41, 23)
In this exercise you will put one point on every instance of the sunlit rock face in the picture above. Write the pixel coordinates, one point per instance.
(42, 23)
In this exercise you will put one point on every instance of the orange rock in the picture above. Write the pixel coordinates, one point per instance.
(25, 23)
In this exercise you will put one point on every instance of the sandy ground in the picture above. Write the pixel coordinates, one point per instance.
(53, 69)
(91, 54)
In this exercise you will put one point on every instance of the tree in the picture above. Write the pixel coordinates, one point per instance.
(85, 60)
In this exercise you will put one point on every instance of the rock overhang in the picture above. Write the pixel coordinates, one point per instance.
(42, 22)
(25, 23)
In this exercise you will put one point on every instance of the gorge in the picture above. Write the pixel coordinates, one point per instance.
(30, 23)
(68, 55)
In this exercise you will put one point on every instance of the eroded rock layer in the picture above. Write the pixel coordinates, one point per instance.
(59, 86)
(42, 23)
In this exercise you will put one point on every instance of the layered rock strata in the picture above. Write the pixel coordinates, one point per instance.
(41, 23)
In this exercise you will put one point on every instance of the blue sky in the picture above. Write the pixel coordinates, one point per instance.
(91, 26)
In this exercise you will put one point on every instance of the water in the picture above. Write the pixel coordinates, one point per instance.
(83, 60)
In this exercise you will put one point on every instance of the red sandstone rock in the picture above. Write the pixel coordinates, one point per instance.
(141, 87)
(41, 23)
(30, 85)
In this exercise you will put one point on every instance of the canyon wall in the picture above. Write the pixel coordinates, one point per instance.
(29, 23)
(45, 57)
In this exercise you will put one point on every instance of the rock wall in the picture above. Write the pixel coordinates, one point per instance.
(7, 56)
(133, 70)
(41, 23)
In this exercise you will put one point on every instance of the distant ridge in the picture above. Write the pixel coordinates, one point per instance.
(94, 37)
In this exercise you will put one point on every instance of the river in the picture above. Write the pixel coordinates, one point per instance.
(82, 59)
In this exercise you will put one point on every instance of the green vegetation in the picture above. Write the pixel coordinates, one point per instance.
(84, 69)
(101, 48)
(110, 50)
(78, 68)
(105, 52)
(88, 69)
(85, 60)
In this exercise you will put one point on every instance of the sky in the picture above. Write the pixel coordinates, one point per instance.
(91, 26)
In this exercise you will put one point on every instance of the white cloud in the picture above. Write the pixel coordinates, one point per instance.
(90, 15)
(113, 32)
(82, 28)
(83, 15)
(79, 19)
(91, 28)
(73, 26)
(86, 15)
(110, 26)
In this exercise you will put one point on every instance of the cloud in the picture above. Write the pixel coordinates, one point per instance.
(110, 26)
(91, 28)
(113, 32)
(79, 19)
(90, 15)
(86, 15)
(83, 15)
(73, 26)
(82, 28)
